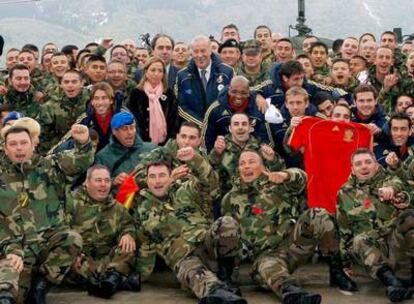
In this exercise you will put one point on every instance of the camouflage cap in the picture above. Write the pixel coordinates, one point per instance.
(252, 47)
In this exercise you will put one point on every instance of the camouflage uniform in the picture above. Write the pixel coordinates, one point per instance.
(226, 164)
(57, 115)
(257, 82)
(374, 233)
(102, 225)
(23, 102)
(11, 242)
(176, 228)
(267, 213)
(168, 153)
(40, 184)
(321, 73)
(37, 80)
(269, 59)
(388, 100)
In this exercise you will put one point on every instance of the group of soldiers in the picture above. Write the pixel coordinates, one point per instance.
(86, 202)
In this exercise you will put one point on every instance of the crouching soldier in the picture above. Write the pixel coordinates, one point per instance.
(173, 225)
(11, 253)
(376, 224)
(267, 206)
(108, 233)
(50, 247)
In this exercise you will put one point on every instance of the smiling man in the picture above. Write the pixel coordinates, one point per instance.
(108, 250)
(199, 84)
(123, 152)
(375, 223)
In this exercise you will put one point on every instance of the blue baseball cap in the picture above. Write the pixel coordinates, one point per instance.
(122, 119)
(12, 116)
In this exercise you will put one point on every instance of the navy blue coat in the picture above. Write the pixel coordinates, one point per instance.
(192, 100)
(218, 115)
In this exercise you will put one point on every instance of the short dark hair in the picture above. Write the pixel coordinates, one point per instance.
(303, 56)
(68, 49)
(30, 47)
(230, 26)
(158, 36)
(91, 44)
(336, 45)
(336, 60)
(239, 113)
(58, 54)
(260, 27)
(190, 124)
(319, 44)
(17, 67)
(81, 52)
(73, 72)
(362, 88)
(117, 46)
(158, 163)
(285, 40)
(361, 58)
(361, 151)
(367, 34)
(16, 130)
(400, 116)
(390, 33)
(95, 57)
(290, 68)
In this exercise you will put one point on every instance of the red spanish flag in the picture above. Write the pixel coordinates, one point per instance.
(126, 192)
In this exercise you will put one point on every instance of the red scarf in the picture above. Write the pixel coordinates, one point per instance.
(104, 122)
(238, 108)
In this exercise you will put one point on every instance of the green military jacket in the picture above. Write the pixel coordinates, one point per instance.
(23, 102)
(57, 115)
(101, 224)
(257, 81)
(265, 211)
(40, 186)
(11, 234)
(173, 226)
(361, 211)
(227, 163)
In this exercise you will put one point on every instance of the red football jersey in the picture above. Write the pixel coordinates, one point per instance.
(328, 146)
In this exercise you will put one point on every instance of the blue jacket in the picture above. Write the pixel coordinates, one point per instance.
(385, 145)
(192, 100)
(277, 93)
(217, 120)
(378, 118)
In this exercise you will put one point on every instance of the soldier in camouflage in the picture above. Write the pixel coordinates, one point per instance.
(108, 236)
(40, 183)
(62, 109)
(11, 252)
(376, 224)
(224, 157)
(267, 205)
(20, 93)
(174, 226)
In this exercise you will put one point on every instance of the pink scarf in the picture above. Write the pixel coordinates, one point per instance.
(157, 123)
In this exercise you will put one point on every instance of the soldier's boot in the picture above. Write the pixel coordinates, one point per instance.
(222, 296)
(338, 278)
(132, 282)
(225, 272)
(395, 290)
(110, 283)
(41, 287)
(6, 298)
(292, 294)
(107, 286)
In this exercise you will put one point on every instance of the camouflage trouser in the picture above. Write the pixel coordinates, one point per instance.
(314, 227)
(92, 268)
(222, 240)
(9, 277)
(394, 250)
(53, 258)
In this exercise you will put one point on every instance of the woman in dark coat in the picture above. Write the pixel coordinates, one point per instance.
(154, 105)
